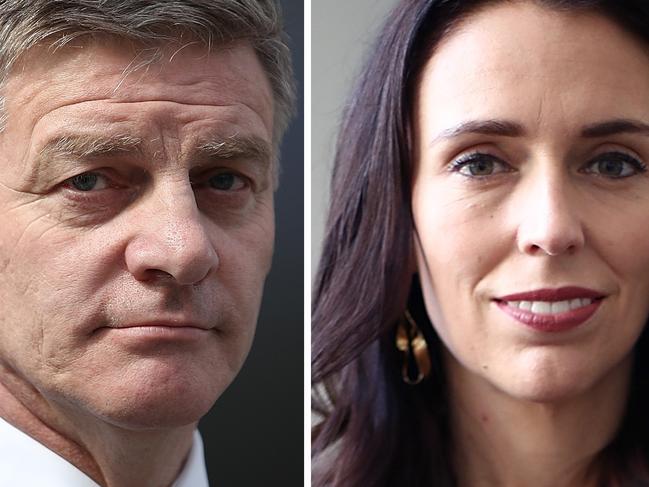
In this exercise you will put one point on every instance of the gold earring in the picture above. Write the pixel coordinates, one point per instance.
(410, 341)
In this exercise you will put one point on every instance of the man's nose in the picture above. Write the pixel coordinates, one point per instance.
(549, 221)
(171, 238)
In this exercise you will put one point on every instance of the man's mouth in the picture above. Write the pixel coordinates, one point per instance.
(155, 330)
(163, 324)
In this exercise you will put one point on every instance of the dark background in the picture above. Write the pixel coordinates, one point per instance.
(254, 434)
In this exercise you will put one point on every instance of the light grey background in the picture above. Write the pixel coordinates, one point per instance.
(341, 33)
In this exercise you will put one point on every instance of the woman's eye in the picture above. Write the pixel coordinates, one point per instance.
(615, 165)
(88, 181)
(479, 165)
(226, 181)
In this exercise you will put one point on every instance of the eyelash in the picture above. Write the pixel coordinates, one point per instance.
(638, 166)
(69, 183)
(239, 183)
(465, 160)
(100, 198)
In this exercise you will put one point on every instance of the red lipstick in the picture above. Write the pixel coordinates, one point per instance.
(560, 294)
(552, 310)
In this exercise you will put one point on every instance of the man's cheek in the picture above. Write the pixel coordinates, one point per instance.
(257, 238)
(21, 334)
(41, 301)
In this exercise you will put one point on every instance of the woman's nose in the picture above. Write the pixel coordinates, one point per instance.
(548, 217)
(171, 237)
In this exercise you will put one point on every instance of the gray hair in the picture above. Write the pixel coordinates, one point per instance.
(150, 23)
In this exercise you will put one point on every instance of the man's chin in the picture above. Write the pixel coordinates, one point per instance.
(151, 401)
(156, 418)
(154, 411)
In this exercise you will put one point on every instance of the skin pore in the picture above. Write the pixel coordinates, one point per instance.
(531, 140)
(138, 226)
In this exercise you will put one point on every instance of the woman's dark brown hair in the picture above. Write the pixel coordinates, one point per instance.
(382, 431)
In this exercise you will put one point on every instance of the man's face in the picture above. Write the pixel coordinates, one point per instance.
(136, 227)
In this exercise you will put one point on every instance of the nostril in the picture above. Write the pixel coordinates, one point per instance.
(185, 261)
(157, 274)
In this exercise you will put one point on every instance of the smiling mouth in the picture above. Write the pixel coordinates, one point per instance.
(552, 310)
(551, 307)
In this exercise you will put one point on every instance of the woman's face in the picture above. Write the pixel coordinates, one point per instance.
(531, 197)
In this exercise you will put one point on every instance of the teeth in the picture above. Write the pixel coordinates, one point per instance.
(526, 305)
(560, 307)
(550, 307)
(541, 307)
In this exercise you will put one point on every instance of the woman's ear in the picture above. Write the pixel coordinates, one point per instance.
(420, 267)
(414, 254)
(418, 263)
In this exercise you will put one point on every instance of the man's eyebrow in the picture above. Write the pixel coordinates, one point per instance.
(80, 146)
(87, 145)
(615, 127)
(504, 128)
(235, 147)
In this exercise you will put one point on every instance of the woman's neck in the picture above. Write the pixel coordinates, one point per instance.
(499, 440)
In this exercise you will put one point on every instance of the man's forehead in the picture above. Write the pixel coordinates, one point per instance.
(119, 70)
(108, 88)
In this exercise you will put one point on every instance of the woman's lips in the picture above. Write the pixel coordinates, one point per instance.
(552, 310)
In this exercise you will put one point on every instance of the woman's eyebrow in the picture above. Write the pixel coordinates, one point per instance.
(505, 128)
(509, 128)
(615, 127)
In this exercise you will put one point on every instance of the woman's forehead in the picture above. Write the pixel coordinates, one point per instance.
(534, 65)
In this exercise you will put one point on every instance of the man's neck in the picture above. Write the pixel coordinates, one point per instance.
(110, 455)
(506, 442)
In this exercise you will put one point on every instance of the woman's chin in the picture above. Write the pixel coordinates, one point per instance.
(549, 377)
(544, 391)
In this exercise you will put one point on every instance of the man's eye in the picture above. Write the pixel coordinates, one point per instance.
(615, 165)
(479, 165)
(226, 181)
(88, 181)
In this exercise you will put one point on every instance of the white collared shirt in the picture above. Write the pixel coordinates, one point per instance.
(24, 462)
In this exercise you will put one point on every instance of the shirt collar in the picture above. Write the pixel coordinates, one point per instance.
(194, 473)
(25, 461)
